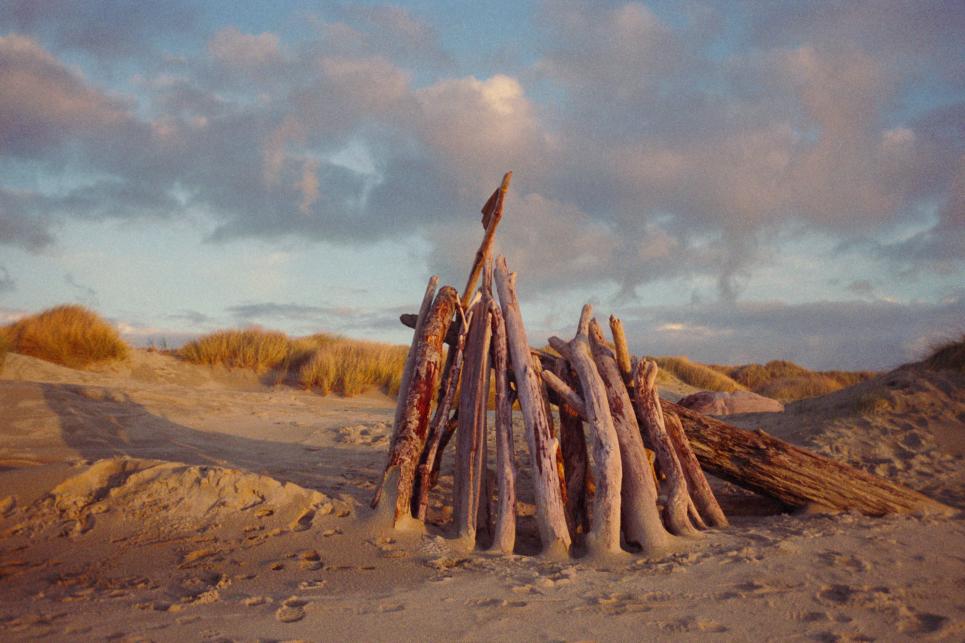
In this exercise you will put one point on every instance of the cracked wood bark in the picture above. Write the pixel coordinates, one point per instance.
(792, 475)
(410, 357)
(492, 214)
(440, 419)
(504, 532)
(677, 511)
(542, 447)
(604, 536)
(573, 446)
(700, 491)
(471, 434)
(406, 449)
(641, 517)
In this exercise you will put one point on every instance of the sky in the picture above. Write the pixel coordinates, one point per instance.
(738, 181)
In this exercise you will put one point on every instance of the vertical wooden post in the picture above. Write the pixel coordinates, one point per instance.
(410, 357)
(471, 435)
(504, 534)
(604, 536)
(542, 447)
(641, 517)
(406, 449)
(621, 351)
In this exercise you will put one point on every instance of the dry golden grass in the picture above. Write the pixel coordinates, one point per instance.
(322, 362)
(72, 336)
(697, 375)
(949, 356)
(788, 381)
(4, 347)
(258, 350)
(349, 367)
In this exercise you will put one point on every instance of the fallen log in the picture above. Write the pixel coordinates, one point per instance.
(795, 476)
(504, 532)
(641, 518)
(604, 536)
(676, 510)
(542, 446)
(409, 440)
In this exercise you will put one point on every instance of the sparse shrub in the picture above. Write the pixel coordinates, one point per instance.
(949, 356)
(68, 335)
(259, 350)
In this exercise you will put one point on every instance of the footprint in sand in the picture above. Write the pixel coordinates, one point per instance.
(374, 435)
(292, 610)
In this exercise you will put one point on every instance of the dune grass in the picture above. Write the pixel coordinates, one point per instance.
(70, 335)
(322, 362)
(4, 347)
(697, 375)
(787, 381)
(949, 356)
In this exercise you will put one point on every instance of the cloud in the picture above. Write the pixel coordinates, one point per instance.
(645, 149)
(85, 294)
(820, 335)
(108, 30)
(319, 319)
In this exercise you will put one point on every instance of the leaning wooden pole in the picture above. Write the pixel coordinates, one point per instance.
(792, 475)
(492, 214)
(677, 513)
(406, 449)
(410, 357)
(700, 492)
(504, 533)
(604, 536)
(542, 446)
(641, 518)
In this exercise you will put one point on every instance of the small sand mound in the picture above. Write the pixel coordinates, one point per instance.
(169, 498)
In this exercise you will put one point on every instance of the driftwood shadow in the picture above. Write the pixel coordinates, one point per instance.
(103, 423)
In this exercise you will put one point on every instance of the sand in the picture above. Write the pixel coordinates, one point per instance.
(155, 500)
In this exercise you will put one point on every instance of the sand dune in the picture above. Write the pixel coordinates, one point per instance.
(156, 500)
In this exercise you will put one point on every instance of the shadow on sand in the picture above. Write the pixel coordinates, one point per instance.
(102, 423)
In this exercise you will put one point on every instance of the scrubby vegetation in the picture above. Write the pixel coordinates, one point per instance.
(949, 356)
(68, 335)
(4, 346)
(322, 362)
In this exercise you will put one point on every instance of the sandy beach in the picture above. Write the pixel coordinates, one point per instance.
(157, 500)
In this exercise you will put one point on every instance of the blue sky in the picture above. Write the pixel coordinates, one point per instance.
(738, 181)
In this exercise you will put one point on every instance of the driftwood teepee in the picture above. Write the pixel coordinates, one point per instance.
(607, 405)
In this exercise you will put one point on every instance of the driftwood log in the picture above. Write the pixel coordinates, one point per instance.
(417, 324)
(677, 511)
(492, 214)
(604, 536)
(795, 476)
(504, 531)
(440, 419)
(542, 446)
(641, 519)
(471, 434)
(573, 448)
(700, 491)
(410, 436)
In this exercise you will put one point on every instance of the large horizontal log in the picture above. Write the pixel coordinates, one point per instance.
(792, 475)
(795, 476)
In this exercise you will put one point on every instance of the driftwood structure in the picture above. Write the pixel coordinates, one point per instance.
(620, 498)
